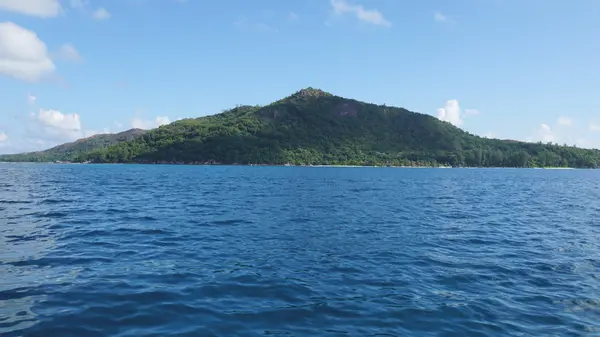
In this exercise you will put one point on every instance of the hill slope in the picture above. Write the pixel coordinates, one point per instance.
(69, 151)
(314, 127)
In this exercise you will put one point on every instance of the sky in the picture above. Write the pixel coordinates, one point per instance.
(512, 69)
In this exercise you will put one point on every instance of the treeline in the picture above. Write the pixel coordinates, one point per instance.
(345, 156)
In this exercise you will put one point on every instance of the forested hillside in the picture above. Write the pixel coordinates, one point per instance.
(70, 151)
(315, 127)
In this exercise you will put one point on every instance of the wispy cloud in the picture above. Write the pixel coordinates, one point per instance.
(259, 27)
(264, 28)
(79, 4)
(31, 99)
(39, 8)
(84, 6)
(292, 16)
(440, 17)
(101, 14)
(564, 121)
(69, 53)
(370, 16)
(140, 123)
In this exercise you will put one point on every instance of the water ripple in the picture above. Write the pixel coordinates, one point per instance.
(130, 250)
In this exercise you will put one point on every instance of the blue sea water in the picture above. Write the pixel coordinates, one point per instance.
(135, 250)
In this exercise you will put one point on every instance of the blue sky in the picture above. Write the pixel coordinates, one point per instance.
(518, 69)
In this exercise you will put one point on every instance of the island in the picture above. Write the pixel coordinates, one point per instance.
(313, 127)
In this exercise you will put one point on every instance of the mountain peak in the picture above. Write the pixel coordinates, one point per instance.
(310, 92)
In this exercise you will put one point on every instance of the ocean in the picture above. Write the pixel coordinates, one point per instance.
(168, 250)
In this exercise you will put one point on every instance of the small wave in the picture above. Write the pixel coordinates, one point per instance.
(230, 222)
(141, 231)
(52, 214)
(25, 238)
(138, 218)
(15, 202)
(54, 201)
(55, 261)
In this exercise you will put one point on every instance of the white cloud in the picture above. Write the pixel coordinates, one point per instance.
(564, 121)
(69, 53)
(101, 14)
(545, 133)
(22, 54)
(31, 99)
(39, 8)
(452, 113)
(594, 126)
(55, 126)
(56, 119)
(371, 16)
(139, 123)
(3, 137)
(489, 135)
(439, 17)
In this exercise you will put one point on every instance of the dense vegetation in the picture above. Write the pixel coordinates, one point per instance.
(71, 151)
(312, 127)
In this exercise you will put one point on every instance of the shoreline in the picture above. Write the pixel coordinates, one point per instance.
(321, 166)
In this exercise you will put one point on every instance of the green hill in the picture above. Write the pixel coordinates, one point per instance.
(69, 151)
(315, 127)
